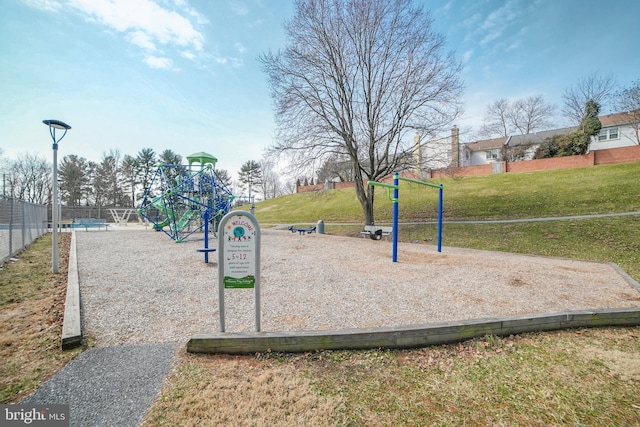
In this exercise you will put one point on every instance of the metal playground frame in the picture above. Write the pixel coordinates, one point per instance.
(395, 187)
(183, 198)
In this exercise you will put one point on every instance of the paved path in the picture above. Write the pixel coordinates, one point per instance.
(109, 386)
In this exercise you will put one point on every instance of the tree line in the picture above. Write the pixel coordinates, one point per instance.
(118, 180)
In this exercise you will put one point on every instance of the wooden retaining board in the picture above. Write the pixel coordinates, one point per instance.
(410, 336)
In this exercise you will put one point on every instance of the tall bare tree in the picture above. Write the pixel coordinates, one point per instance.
(524, 116)
(595, 87)
(360, 77)
(29, 178)
(496, 119)
(270, 185)
(532, 114)
(628, 103)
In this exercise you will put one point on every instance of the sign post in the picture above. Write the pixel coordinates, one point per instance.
(239, 258)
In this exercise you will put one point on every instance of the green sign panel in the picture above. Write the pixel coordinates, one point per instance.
(239, 282)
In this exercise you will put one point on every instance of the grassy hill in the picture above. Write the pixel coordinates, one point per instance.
(565, 192)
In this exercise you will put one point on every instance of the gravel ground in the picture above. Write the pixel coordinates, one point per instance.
(138, 286)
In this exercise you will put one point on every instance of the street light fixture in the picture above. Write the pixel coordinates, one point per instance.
(53, 125)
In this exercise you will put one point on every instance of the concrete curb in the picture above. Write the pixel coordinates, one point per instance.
(71, 326)
(410, 336)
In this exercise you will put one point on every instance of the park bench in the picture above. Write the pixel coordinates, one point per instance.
(302, 230)
(90, 223)
(376, 232)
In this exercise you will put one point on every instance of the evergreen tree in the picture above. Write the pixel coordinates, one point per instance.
(74, 174)
(129, 171)
(250, 175)
(147, 164)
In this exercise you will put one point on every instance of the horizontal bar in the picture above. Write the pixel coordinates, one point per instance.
(420, 182)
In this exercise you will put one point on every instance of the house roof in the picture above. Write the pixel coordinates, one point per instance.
(487, 144)
(619, 118)
(537, 137)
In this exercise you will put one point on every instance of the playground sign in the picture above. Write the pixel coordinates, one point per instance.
(239, 257)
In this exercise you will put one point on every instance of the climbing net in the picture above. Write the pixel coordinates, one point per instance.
(178, 197)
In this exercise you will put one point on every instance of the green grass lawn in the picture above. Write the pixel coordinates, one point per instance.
(564, 192)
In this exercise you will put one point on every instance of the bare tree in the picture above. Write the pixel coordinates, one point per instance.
(628, 103)
(356, 77)
(595, 87)
(270, 185)
(527, 115)
(532, 114)
(30, 179)
(336, 166)
(496, 119)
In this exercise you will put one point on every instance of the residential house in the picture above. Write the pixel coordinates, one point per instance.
(618, 130)
(523, 147)
(437, 153)
(483, 152)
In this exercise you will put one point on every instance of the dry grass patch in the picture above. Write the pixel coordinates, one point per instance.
(235, 390)
(32, 311)
(576, 377)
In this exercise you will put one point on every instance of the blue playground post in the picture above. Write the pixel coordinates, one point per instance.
(206, 248)
(440, 209)
(396, 195)
(394, 252)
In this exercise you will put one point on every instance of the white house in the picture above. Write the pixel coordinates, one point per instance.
(523, 147)
(437, 153)
(618, 130)
(482, 152)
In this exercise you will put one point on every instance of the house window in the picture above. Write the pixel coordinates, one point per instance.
(492, 154)
(608, 133)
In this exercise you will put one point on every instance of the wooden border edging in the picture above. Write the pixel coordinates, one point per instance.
(71, 326)
(410, 336)
(625, 276)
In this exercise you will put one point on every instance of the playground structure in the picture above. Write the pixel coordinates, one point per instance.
(395, 187)
(182, 199)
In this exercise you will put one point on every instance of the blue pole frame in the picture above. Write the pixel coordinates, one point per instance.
(394, 253)
(395, 186)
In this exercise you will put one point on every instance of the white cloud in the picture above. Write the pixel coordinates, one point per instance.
(142, 39)
(230, 61)
(240, 8)
(159, 62)
(145, 24)
(240, 47)
(189, 55)
(46, 5)
(467, 55)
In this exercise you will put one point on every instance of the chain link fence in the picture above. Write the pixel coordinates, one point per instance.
(20, 224)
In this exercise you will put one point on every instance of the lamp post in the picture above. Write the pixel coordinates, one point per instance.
(53, 125)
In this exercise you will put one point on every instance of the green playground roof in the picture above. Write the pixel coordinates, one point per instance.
(202, 158)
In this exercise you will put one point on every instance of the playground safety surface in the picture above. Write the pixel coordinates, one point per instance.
(140, 286)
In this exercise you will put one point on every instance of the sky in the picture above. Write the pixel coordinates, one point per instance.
(184, 75)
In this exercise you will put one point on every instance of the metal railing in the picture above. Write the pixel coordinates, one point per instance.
(20, 224)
